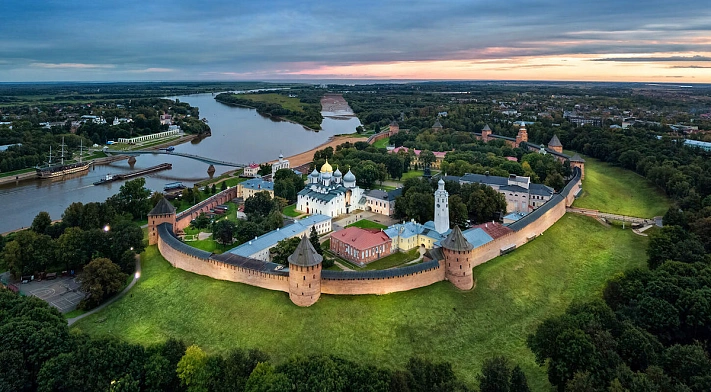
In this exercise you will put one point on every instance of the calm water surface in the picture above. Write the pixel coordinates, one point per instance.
(238, 135)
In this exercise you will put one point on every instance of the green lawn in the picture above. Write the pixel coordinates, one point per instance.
(394, 260)
(411, 174)
(293, 104)
(210, 245)
(291, 211)
(615, 190)
(16, 172)
(367, 224)
(382, 143)
(514, 293)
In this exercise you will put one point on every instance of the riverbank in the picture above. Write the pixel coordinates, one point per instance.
(271, 116)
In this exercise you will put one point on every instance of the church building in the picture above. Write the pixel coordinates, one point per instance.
(330, 193)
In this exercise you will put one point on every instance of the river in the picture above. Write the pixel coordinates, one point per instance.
(239, 135)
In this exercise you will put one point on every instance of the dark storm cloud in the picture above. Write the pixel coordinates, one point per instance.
(196, 39)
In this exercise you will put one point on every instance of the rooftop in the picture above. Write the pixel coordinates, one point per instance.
(163, 207)
(305, 255)
(456, 241)
(361, 238)
(258, 184)
(273, 237)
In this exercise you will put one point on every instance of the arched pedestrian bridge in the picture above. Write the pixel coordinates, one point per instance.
(180, 154)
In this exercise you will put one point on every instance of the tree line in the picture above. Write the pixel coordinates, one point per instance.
(651, 330)
(309, 117)
(39, 353)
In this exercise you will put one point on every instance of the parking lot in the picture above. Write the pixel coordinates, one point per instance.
(63, 292)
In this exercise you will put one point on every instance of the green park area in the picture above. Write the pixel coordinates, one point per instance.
(513, 294)
(382, 143)
(293, 104)
(618, 191)
(367, 224)
(290, 211)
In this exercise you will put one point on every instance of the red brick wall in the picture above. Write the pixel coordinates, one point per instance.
(205, 206)
(383, 286)
(304, 284)
(222, 271)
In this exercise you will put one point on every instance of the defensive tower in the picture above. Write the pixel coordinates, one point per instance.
(305, 274)
(458, 259)
(163, 212)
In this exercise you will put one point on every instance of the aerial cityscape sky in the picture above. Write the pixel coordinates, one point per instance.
(661, 41)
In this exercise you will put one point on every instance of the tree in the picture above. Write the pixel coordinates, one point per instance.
(426, 158)
(223, 231)
(313, 238)
(223, 186)
(284, 249)
(674, 243)
(458, 213)
(213, 189)
(495, 374)
(484, 204)
(264, 169)
(264, 378)
(191, 369)
(395, 166)
(247, 231)
(555, 181)
(201, 222)
(518, 381)
(41, 222)
(100, 279)
(133, 198)
(258, 205)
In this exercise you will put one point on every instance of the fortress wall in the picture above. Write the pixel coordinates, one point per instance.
(219, 270)
(383, 285)
(184, 218)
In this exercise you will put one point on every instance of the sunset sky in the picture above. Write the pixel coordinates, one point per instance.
(660, 41)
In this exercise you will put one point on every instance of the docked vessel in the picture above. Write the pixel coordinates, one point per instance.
(53, 170)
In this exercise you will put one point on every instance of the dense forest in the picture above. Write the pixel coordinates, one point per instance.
(39, 353)
(651, 331)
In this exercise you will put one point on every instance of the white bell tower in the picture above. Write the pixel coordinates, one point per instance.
(441, 219)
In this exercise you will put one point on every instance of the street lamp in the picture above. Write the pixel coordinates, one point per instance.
(107, 228)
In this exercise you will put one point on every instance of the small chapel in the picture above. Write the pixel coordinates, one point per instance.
(330, 193)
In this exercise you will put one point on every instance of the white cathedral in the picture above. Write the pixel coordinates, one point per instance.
(330, 193)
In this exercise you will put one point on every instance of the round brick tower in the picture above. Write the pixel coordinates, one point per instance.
(458, 259)
(163, 212)
(305, 274)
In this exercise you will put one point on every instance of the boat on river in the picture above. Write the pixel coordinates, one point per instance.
(51, 170)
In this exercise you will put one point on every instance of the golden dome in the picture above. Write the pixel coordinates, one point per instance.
(326, 168)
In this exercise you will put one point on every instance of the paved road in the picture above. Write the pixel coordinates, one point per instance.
(112, 300)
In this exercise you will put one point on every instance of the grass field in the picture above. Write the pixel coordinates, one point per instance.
(292, 104)
(382, 143)
(367, 224)
(615, 190)
(394, 260)
(411, 174)
(291, 211)
(514, 293)
(16, 172)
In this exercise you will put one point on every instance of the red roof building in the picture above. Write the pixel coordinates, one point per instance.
(360, 246)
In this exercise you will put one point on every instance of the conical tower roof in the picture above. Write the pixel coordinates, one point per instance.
(162, 208)
(437, 124)
(555, 142)
(486, 128)
(456, 241)
(305, 255)
(577, 158)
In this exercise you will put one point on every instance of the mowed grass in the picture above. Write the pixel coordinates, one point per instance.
(396, 259)
(514, 293)
(290, 211)
(382, 143)
(293, 104)
(618, 191)
(367, 224)
(412, 174)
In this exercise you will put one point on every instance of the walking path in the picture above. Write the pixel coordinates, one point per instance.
(605, 215)
(114, 298)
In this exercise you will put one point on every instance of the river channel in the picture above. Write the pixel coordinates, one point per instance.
(239, 135)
